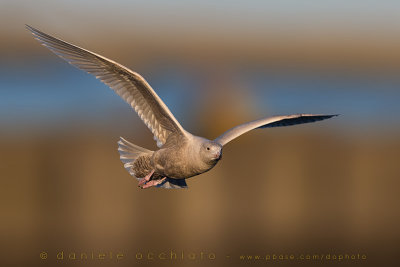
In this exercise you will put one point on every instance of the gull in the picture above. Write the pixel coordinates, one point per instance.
(181, 155)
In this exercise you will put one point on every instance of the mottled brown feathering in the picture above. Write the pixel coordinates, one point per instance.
(143, 165)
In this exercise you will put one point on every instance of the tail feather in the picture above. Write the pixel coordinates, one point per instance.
(125, 146)
(129, 153)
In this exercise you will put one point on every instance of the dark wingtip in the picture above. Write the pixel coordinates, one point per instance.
(328, 116)
(324, 115)
(30, 28)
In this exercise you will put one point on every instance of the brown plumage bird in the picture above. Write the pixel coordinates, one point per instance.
(181, 154)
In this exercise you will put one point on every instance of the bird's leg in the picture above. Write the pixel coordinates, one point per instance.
(145, 179)
(153, 183)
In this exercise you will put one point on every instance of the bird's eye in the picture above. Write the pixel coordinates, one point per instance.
(208, 148)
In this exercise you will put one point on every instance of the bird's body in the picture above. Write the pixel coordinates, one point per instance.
(180, 158)
(181, 155)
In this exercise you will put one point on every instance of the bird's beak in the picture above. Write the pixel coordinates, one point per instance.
(218, 155)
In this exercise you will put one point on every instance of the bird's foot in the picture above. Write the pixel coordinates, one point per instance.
(147, 178)
(153, 183)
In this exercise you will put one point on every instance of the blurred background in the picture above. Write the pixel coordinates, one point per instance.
(329, 187)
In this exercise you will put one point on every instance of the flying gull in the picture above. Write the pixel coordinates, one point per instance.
(181, 155)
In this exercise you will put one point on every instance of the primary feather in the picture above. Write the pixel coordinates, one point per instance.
(267, 123)
(129, 85)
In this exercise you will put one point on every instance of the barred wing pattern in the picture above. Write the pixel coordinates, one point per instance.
(269, 123)
(129, 85)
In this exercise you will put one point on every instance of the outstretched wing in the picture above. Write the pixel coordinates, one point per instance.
(267, 123)
(129, 85)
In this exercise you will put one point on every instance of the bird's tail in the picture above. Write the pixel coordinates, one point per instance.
(129, 152)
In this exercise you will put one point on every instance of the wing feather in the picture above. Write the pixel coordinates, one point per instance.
(129, 85)
(277, 121)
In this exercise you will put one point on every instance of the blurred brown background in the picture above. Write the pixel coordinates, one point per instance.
(326, 188)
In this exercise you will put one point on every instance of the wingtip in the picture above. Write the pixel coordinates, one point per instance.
(31, 29)
(28, 27)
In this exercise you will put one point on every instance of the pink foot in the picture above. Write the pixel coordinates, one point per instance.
(153, 183)
(144, 180)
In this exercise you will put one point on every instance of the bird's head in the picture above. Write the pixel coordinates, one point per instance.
(210, 151)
